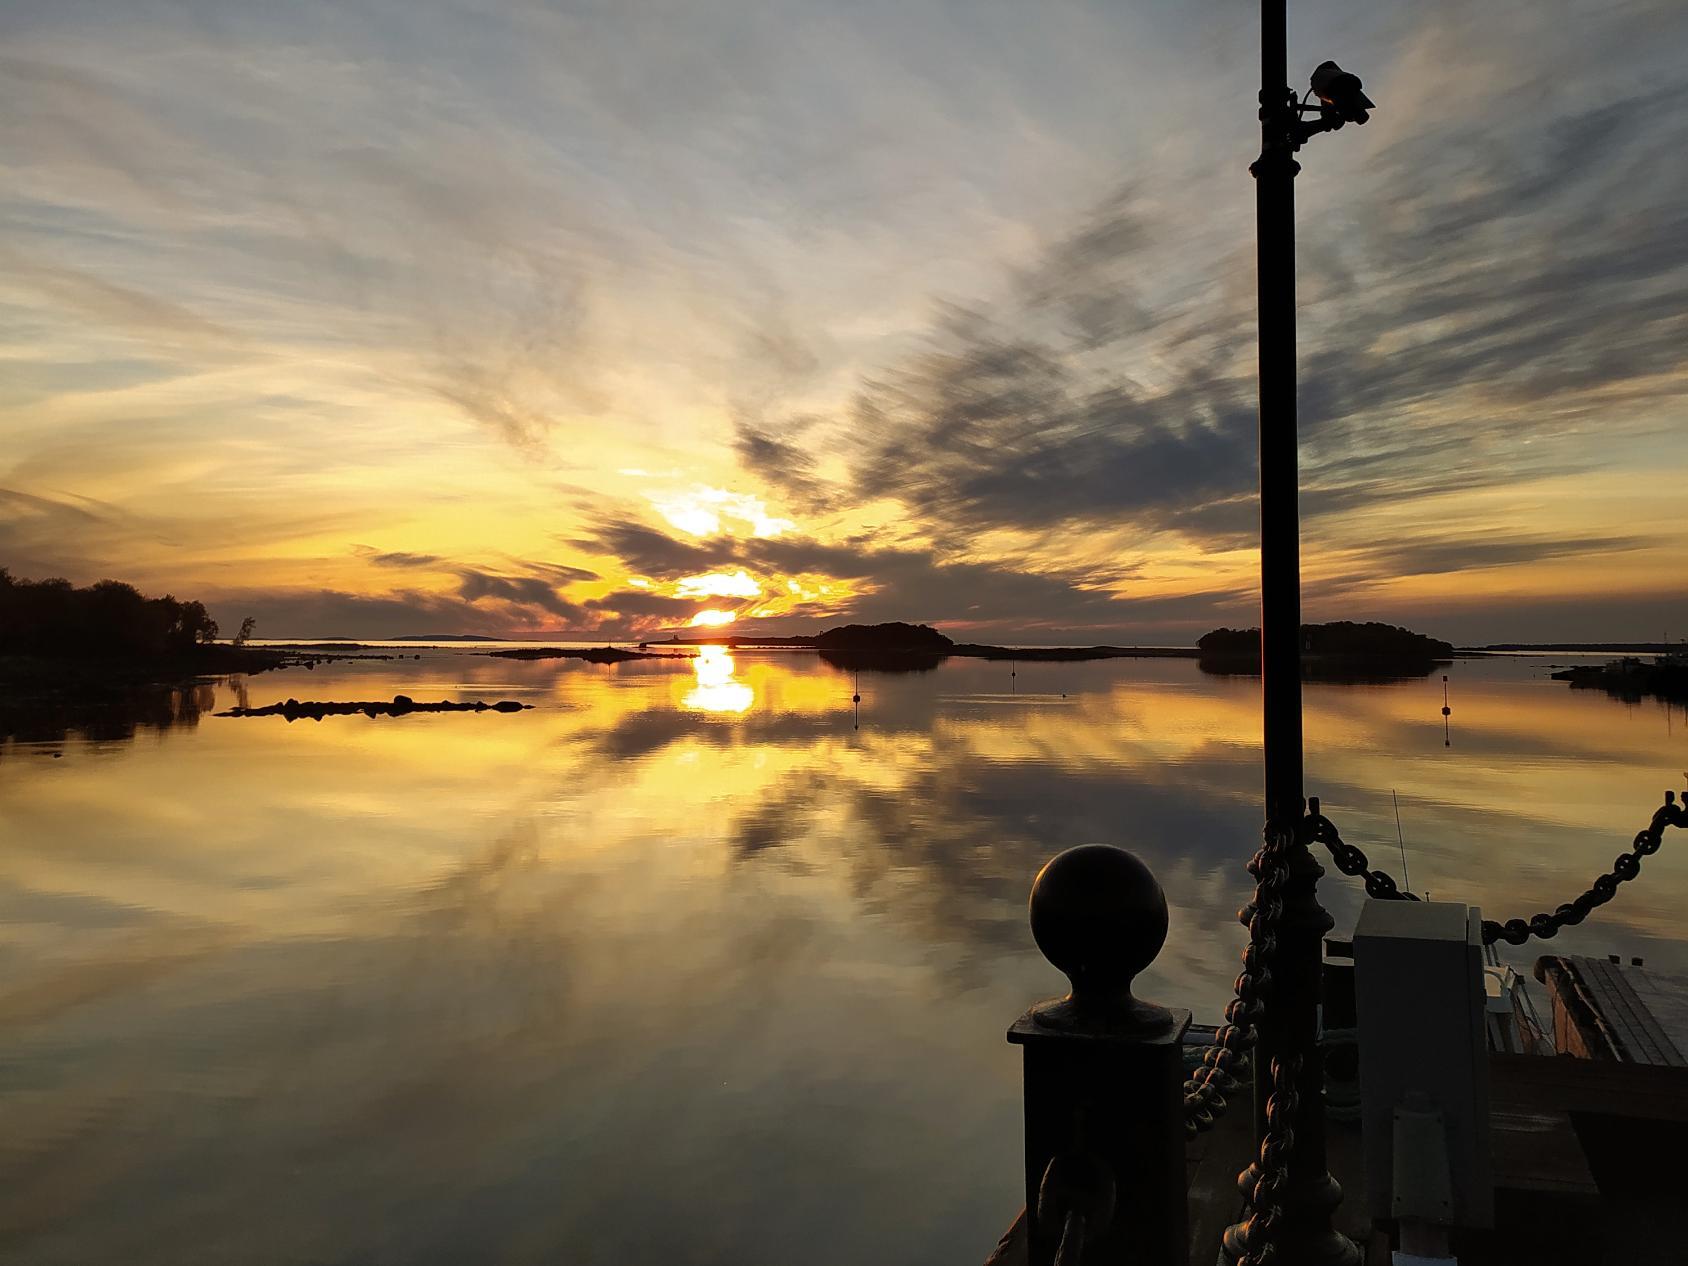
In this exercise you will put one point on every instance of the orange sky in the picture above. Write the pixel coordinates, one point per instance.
(493, 318)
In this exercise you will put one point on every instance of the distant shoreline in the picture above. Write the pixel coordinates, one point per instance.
(960, 650)
(1589, 648)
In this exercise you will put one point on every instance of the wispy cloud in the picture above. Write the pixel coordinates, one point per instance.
(956, 301)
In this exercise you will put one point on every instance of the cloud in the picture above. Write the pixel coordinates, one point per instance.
(1497, 294)
(300, 612)
(988, 429)
(134, 312)
(528, 592)
(900, 269)
(891, 582)
(1429, 553)
(395, 558)
(785, 462)
(648, 551)
(45, 534)
(636, 609)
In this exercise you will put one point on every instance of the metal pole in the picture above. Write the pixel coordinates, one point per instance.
(1280, 528)
(1290, 1027)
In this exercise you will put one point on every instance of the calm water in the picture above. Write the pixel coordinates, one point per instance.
(680, 966)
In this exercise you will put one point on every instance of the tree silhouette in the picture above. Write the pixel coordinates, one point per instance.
(56, 620)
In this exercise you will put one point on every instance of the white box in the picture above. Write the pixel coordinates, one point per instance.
(1418, 981)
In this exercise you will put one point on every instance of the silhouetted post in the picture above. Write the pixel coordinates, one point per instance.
(1104, 1072)
(1290, 1026)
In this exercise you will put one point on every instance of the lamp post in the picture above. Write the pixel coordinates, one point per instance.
(1289, 1027)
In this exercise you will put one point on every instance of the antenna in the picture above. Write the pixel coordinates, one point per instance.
(1406, 883)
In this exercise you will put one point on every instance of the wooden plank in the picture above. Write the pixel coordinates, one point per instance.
(1666, 1001)
(1641, 1091)
(1538, 1150)
(1611, 989)
(1216, 1158)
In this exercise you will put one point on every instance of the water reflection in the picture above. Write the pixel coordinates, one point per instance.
(716, 689)
(101, 711)
(618, 973)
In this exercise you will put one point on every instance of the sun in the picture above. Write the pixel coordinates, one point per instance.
(712, 617)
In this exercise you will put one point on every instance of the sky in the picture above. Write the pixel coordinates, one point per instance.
(372, 317)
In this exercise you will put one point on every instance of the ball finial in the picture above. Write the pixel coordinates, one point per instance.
(1099, 915)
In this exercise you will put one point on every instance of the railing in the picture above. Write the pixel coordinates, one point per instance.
(1108, 1110)
(1103, 1070)
(1626, 866)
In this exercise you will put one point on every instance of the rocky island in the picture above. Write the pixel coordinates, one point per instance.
(1633, 679)
(398, 706)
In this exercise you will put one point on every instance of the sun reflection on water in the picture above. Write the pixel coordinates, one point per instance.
(717, 690)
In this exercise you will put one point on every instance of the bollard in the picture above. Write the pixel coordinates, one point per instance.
(1104, 1073)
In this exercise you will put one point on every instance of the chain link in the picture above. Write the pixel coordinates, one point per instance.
(1266, 1199)
(1270, 868)
(1351, 861)
(1223, 1063)
(1204, 1093)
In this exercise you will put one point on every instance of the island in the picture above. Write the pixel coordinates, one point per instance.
(1338, 651)
(398, 706)
(1632, 679)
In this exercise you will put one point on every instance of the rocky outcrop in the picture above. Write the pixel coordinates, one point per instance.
(400, 705)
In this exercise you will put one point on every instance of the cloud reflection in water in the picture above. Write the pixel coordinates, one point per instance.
(771, 953)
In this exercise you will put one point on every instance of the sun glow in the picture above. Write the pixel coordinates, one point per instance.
(706, 511)
(719, 584)
(712, 617)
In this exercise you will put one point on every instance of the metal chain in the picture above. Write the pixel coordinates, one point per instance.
(1218, 1073)
(1270, 868)
(1275, 1149)
(1351, 861)
(1227, 1060)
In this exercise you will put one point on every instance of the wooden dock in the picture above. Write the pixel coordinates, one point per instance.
(1605, 1010)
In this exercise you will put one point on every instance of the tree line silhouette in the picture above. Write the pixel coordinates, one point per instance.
(54, 619)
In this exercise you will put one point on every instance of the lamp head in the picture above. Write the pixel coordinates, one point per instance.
(1340, 90)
